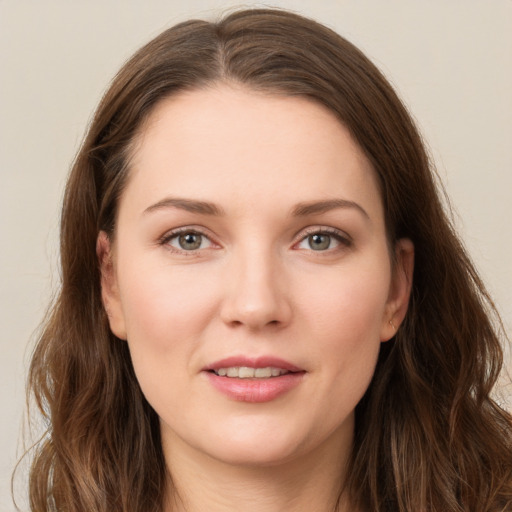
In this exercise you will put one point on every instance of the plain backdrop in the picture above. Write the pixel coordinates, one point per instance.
(450, 61)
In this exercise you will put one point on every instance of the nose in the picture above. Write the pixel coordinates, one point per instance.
(256, 292)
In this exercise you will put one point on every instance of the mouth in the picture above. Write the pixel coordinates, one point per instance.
(254, 380)
(246, 372)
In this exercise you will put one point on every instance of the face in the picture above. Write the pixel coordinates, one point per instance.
(251, 276)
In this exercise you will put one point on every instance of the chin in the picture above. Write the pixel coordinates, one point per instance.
(254, 447)
(251, 455)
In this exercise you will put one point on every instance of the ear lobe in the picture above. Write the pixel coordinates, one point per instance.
(400, 288)
(109, 286)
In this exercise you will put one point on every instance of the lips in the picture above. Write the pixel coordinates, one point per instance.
(253, 380)
(259, 362)
(246, 372)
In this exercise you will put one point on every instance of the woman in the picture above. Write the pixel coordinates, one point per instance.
(263, 304)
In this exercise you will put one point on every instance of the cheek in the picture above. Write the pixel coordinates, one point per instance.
(346, 319)
(162, 302)
(351, 304)
(167, 311)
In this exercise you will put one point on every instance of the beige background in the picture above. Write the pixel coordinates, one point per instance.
(450, 60)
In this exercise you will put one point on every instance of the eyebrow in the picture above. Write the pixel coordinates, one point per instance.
(300, 210)
(316, 207)
(189, 205)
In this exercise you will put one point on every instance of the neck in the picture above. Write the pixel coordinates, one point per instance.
(305, 483)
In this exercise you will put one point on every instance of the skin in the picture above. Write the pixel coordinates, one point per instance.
(258, 285)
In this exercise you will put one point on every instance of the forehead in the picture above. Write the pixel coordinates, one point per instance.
(229, 144)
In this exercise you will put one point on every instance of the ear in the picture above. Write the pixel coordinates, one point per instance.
(109, 286)
(400, 289)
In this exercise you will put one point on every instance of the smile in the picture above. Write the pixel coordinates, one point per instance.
(246, 372)
(252, 380)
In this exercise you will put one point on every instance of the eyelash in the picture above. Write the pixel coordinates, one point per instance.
(166, 239)
(340, 237)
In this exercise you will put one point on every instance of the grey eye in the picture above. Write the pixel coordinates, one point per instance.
(319, 242)
(190, 241)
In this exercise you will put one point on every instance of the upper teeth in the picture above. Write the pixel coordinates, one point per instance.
(245, 372)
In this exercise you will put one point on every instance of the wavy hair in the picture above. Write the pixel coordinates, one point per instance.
(428, 436)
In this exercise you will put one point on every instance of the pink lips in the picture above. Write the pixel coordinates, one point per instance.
(254, 390)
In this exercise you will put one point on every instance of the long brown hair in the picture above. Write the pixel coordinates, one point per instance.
(428, 434)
